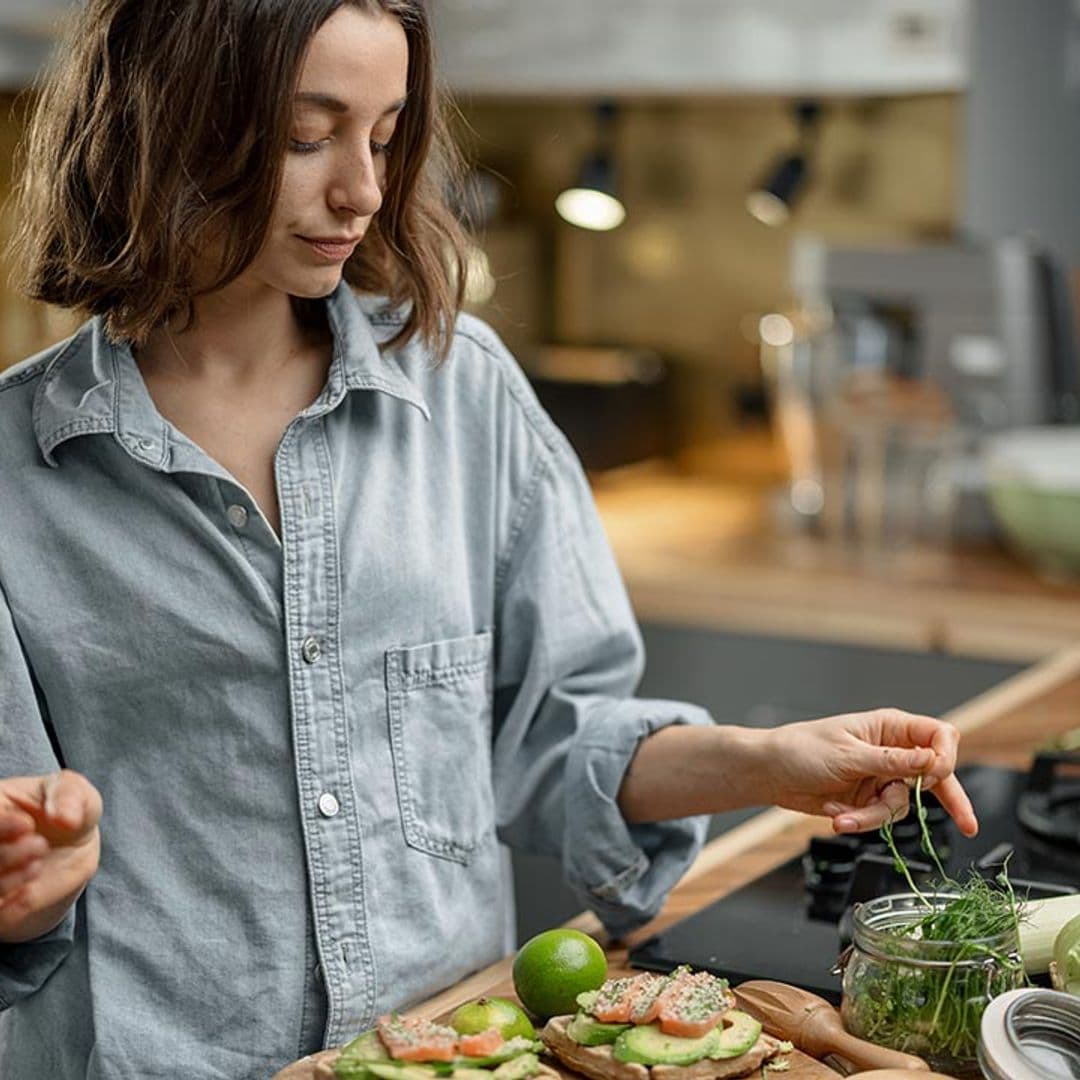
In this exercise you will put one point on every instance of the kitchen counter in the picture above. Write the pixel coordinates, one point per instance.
(1001, 727)
(704, 548)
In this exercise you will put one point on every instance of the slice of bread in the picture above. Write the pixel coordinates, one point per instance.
(598, 1062)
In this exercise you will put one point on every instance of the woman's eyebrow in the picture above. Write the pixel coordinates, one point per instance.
(333, 104)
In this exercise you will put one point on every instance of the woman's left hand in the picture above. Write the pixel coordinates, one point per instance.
(856, 768)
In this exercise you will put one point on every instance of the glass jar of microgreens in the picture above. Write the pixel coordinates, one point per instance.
(921, 970)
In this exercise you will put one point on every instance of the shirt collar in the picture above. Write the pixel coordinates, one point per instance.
(360, 325)
(93, 384)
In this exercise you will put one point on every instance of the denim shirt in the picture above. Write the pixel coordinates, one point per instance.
(311, 750)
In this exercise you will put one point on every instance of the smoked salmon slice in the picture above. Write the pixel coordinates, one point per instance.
(692, 1004)
(417, 1040)
(646, 1004)
(482, 1044)
(617, 999)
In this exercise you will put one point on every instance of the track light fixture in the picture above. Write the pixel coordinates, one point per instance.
(772, 200)
(593, 201)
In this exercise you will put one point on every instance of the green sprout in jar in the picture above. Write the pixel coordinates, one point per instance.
(925, 965)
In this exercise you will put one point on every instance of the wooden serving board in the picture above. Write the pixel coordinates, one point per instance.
(802, 1066)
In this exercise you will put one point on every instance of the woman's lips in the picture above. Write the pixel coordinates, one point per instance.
(331, 250)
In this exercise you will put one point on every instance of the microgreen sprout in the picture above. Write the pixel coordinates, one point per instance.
(924, 989)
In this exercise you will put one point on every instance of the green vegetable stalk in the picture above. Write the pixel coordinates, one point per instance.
(1066, 967)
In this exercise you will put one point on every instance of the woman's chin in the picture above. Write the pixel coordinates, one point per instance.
(314, 286)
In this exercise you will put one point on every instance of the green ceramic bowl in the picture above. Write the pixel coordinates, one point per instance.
(1033, 478)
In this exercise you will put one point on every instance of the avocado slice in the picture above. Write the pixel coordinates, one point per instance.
(648, 1045)
(586, 1031)
(367, 1046)
(587, 999)
(358, 1053)
(400, 1070)
(737, 1032)
(351, 1070)
(519, 1068)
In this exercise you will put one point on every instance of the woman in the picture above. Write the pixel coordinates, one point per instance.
(310, 622)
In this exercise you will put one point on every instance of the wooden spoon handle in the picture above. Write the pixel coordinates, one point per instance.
(867, 1055)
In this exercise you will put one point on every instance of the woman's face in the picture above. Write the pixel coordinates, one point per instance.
(351, 92)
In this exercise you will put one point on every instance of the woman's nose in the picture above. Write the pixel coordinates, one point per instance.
(359, 187)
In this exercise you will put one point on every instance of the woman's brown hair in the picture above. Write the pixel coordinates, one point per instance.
(160, 134)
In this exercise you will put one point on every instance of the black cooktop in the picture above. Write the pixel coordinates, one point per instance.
(792, 923)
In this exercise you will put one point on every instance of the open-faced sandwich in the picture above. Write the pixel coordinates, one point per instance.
(412, 1049)
(681, 1026)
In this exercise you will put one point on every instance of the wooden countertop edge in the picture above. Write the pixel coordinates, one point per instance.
(826, 605)
(1013, 693)
(1021, 689)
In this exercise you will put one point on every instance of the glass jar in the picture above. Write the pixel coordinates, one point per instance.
(923, 997)
(1031, 1034)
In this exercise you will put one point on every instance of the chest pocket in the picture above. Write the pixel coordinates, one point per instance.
(439, 711)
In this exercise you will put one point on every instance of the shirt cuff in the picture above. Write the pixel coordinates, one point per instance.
(623, 872)
(25, 967)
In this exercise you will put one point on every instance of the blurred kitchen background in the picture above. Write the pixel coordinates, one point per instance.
(800, 281)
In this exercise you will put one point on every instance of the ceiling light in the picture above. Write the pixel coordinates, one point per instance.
(593, 201)
(771, 201)
(776, 330)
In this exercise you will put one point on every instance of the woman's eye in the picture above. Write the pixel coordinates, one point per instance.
(300, 147)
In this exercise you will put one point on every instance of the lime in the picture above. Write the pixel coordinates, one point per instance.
(551, 969)
(485, 1013)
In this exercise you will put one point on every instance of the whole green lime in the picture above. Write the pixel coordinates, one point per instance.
(486, 1013)
(551, 969)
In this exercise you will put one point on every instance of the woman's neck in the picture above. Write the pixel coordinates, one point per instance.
(240, 335)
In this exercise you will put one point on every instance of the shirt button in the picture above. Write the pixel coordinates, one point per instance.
(237, 515)
(311, 650)
(328, 805)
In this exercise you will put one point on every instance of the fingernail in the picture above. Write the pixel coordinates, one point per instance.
(845, 823)
(49, 801)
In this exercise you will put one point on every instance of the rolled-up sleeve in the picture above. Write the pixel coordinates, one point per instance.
(569, 658)
(25, 750)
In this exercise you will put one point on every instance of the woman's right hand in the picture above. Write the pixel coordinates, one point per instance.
(49, 848)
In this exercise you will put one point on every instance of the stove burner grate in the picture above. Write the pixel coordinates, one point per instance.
(1049, 807)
